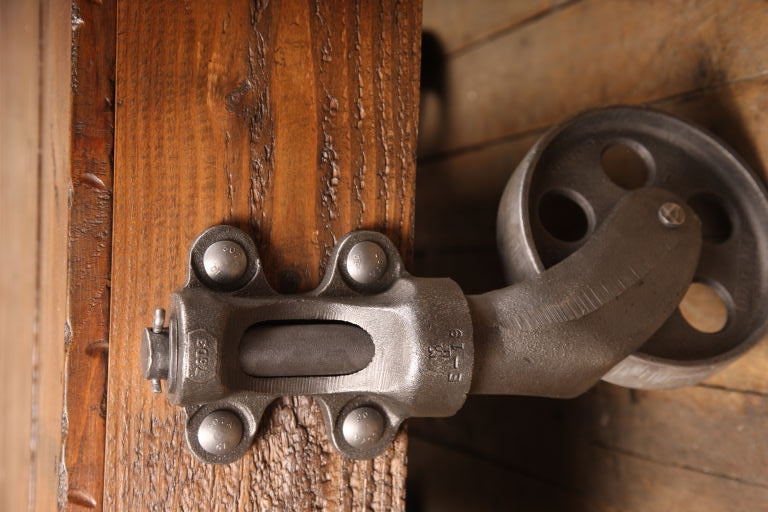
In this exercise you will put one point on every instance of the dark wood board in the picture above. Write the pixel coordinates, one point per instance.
(90, 246)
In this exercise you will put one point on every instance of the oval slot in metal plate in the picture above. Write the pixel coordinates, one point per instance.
(305, 349)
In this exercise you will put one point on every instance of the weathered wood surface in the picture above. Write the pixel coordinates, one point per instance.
(295, 121)
(90, 227)
(701, 448)
(461, 25)
(34, 183)
(593, 52)
(693, 449)
(49, 420)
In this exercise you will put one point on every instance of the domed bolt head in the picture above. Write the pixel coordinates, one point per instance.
(363, 427)
(225, 261)
(366, 262)
(220, 432)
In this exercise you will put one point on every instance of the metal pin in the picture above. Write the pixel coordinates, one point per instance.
(158, 321)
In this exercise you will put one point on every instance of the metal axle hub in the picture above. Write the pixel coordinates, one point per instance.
(375, 345)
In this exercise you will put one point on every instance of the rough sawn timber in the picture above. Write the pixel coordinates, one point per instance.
(89, 252)
(295, 121)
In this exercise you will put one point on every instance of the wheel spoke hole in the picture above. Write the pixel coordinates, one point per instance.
(704, 308)
(563, 215)
(626, 166)
(716, 225)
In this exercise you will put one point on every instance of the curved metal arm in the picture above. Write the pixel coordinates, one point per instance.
(558, 333)
(377, 351)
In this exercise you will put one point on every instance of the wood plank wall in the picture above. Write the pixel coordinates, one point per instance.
(511, 70)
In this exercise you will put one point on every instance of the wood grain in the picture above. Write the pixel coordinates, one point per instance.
(449, 477)
(611, 449)
(34, 185)
(19, 185)
(594, 53)
(49, 419)
(295, 121)
(460, 192)
(461, 25)
(90, 231)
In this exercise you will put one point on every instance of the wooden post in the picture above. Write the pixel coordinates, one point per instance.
(90, 246)
(19, 211)
(296, 121)
(34, 193)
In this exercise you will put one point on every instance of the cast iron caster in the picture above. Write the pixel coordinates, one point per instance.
(574, 176)
(599, 255)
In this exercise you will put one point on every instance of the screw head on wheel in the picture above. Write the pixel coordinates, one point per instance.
(671, 215)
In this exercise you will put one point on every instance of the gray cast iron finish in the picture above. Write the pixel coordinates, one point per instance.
(375, 345)
(684, 160)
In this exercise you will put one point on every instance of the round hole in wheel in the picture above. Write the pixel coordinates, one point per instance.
(704, 308)
(625, 166)
(562, 216)
(716, 226)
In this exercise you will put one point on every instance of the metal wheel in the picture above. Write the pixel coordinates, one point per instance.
(573, 177)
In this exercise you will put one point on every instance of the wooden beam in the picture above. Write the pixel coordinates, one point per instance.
(49, 419)
(19, 187)
(295, 121)
(34, 183)
(89, 251)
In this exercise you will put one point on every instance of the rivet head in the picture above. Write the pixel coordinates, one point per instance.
(366, 262)
(671, 215)
(363, 427)
(225, 261)
(220, 432)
